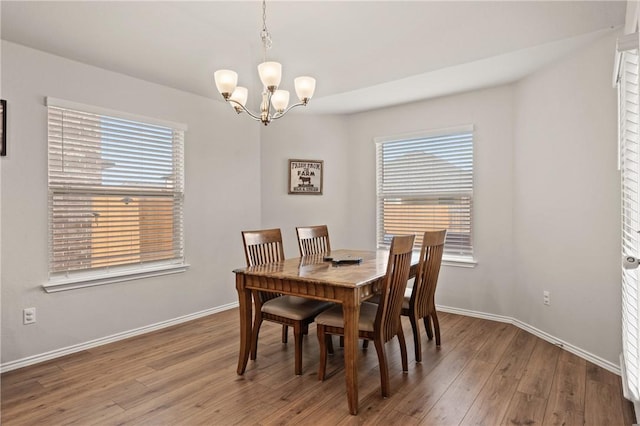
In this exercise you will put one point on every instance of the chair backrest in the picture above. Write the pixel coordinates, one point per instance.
(392, 293)
(313, 239)
(424, 287)
(263, 246)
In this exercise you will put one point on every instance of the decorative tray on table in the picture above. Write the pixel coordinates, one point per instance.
(343, 260)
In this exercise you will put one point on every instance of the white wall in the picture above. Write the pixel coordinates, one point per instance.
(307, 137)
(567, 201)
(222, 196)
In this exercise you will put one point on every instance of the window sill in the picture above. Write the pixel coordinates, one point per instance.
(93, 279)
(460, 262)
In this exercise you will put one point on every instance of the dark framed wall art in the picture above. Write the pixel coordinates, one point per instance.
(305, 177)
(3, 127)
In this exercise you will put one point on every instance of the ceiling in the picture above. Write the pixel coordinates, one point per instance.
(364, 54)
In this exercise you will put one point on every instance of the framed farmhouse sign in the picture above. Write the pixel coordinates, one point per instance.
(305, 176)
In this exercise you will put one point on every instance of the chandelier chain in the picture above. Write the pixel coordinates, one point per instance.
(265, 35)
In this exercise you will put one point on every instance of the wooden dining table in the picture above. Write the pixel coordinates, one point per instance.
(316, 278)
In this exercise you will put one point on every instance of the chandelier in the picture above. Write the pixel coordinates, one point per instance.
(274, 101)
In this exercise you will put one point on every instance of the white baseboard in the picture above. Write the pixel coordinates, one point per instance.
(24, 362)
(607, 365)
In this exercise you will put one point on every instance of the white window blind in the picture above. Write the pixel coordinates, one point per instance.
(115, 193)
(425, 182)
(629, 113)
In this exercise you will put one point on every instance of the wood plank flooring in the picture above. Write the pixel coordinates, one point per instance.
(486, 373)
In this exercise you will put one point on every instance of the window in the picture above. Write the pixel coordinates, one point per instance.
(629, 143)
(425, 182)
(115, 195)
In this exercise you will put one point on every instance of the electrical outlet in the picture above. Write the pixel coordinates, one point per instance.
(546, 297)
(29, 316)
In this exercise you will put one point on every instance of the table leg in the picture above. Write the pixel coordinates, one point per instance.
(351, 315)
(244, 299)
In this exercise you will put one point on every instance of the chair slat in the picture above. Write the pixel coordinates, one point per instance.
(313, 240)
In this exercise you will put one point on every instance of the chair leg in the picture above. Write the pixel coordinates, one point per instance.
(427, 325)
(342, 341)
(254, 336)
(285, 333)
(384, 370)
(297, 338)
(417, 341)
(330, 345)
(403, 350)
(322, 342)
(436, 327)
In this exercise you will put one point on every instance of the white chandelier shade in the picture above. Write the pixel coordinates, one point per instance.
(280, 100)
(226, 81)
(239, 98)
(305, 86)
(270, 74)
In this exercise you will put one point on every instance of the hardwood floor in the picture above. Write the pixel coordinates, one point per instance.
(486, 373)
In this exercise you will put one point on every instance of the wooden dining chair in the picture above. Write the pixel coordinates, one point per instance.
(419, 301)
(380, 322)
(313, 239)
(265, 246)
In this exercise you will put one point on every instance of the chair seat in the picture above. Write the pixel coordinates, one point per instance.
(333, 317)
(295, 308)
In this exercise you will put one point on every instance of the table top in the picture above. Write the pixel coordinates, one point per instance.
(315, 269)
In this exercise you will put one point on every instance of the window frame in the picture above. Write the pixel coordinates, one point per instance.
(467, 261)
(73, 279)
